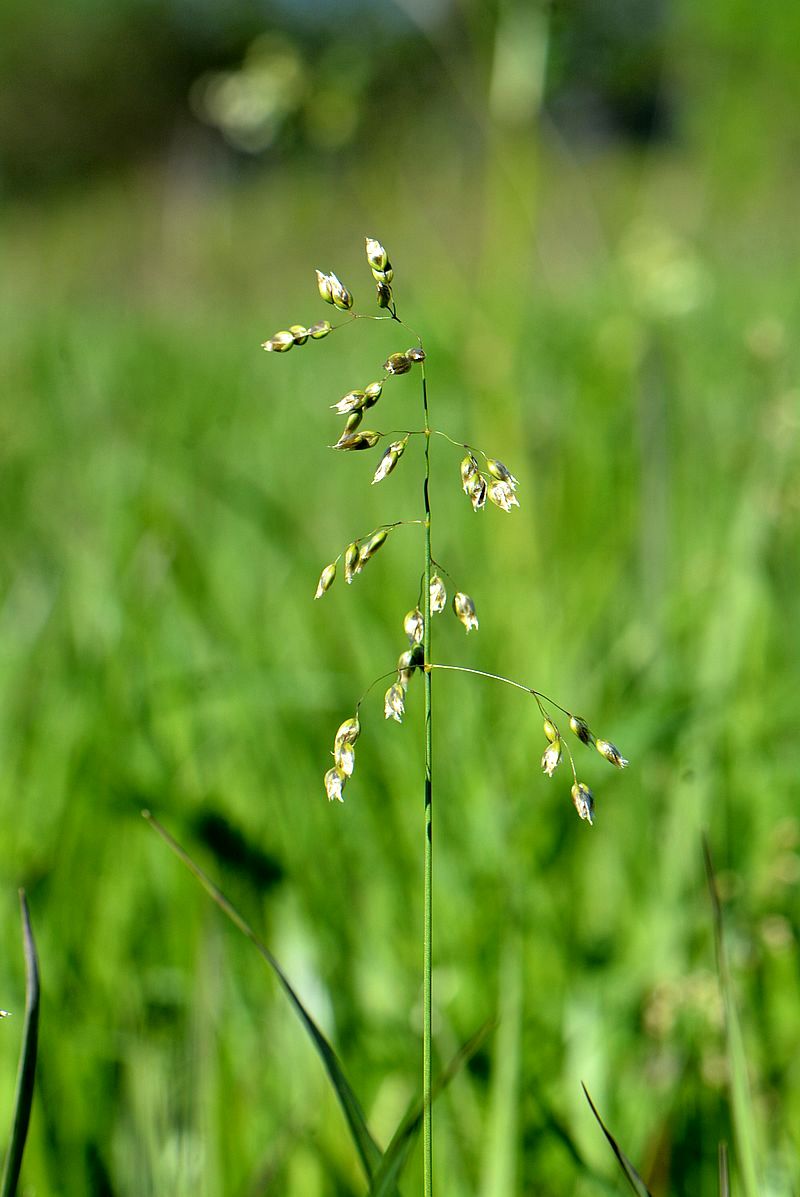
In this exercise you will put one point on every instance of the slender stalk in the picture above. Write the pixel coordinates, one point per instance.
(427, 1131)
(496, 677)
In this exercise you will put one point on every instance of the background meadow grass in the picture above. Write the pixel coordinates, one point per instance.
(618, 327)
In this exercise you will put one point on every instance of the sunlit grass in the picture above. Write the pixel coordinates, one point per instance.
(164, 526)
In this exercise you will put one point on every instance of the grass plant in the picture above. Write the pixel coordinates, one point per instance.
(482, 477)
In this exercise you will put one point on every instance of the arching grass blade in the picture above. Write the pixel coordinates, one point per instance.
(634, 1179)
(368, 1150)
(27, 1059)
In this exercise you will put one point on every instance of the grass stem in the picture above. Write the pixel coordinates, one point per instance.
(427, 1133)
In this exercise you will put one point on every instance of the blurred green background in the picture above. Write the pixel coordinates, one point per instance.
(591, 211)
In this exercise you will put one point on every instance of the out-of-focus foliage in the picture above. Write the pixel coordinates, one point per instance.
(91, 85)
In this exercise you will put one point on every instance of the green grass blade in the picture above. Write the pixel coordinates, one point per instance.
(724, 1180)
(741, 1102)
(562, 1134)
(399, 1149)
(634, 1179)
(368, 1150)
(27, 1059)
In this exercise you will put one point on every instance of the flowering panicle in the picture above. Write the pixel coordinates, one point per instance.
(490, 482)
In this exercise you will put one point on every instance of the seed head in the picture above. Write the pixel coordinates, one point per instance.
(384, 295)
(611, 753)
(477, 492)
(499, 471)
(326, 579)
(376, 254)
(386, 464)
(334, 783)
(280, 343)
(552, 757)
(352, 401)
(352, 441)
(352, 564)
(397, 363)
(351, 423)
(465, 610)
(394, 706)
(438, 595)
(319, 330)
(299, 332)
(340, 296)
(583, 800)
(414, 626)
(371, 546)
(372, 394)
(390, 459)
(345, 757)
(502, 495)
(348, 732)
(415, 354)
(580, 728)
(325, 286)
(550, 730)
(469, 468)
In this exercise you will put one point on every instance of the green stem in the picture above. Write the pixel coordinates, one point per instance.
(427, 1133)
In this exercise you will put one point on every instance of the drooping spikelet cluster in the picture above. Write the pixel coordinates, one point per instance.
(356, 556)
(498, 484)
(344, 758)
(582, 796)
